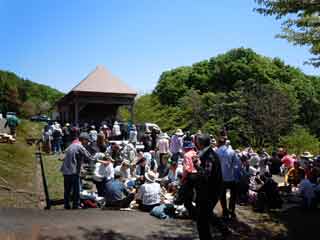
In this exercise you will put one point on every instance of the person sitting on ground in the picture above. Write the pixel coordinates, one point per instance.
(173, 179)
(268, 195)
(117, 195)
(163, 168)
(295, 174)
(124, 169)
(141, 169)
(104, 172)
(149, 193)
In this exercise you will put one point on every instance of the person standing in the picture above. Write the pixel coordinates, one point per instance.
(12, 122)
(189, 173)
(75, 155)
(116, 132)
(163, 145)
(176, 145)
(208, 188)
(147, 141)
(57, 138)
(93, 134)
(66, 136)
(133, 135)
(230, 166)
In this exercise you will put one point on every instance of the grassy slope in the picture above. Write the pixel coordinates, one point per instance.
(17, 166)
(54, 176)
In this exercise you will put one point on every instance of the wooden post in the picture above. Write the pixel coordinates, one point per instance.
(76, 112)
(44, 179)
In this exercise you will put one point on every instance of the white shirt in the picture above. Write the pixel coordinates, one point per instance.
(163, 145)
(125, 174)
(149, 193)
(103, 171)
(116, 130)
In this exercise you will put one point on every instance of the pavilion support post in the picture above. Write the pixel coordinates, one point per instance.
(76, 112)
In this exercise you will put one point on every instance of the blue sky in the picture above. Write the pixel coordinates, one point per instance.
(59, 42)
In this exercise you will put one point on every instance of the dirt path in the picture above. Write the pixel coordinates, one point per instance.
(91, 224)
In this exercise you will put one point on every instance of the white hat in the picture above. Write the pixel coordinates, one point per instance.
(179, 132)
(151, 176)
(164, 135)
(126, 162)
(306, 155)
(104, 126)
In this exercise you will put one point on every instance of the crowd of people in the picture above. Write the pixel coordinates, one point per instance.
(192, 170)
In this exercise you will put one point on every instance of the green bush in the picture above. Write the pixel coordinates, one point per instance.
(299, 141)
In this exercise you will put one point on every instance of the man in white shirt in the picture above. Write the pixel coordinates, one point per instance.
(103, 173)
(149, 193)
(124, 169)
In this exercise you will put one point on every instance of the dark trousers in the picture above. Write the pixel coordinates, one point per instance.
(186, 194)
(206, 200)
(233, 197)
(123, 203)
(148, 208)
(100, 187)
(71, 185)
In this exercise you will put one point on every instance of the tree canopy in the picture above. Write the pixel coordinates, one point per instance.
(256, 98)
(300, 24)
(24, 96)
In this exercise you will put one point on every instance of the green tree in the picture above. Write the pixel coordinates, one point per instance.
(300, 140)
(301, 22)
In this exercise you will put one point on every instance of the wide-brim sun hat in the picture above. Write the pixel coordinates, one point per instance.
(306, 155)
(84, 136)
(179, 132)
(150, 176)
(126, 162)
(164, 135)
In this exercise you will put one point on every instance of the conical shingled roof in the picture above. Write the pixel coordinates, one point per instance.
(101, 80)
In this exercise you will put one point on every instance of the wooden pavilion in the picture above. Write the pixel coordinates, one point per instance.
(95, 99)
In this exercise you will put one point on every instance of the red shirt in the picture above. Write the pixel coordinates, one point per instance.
(188, 166)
